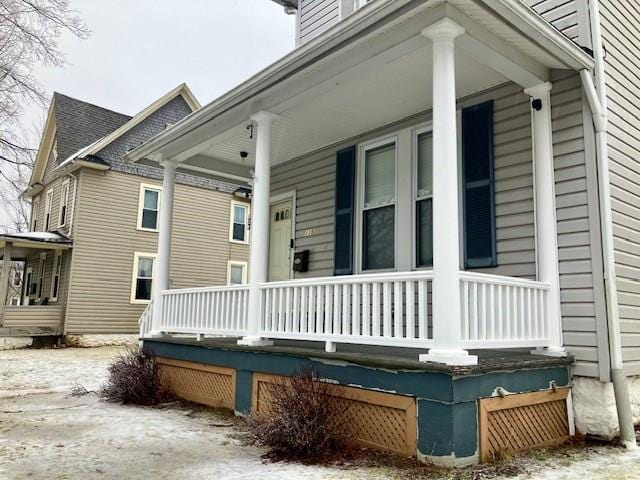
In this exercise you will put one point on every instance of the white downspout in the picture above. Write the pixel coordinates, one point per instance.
(597, 98)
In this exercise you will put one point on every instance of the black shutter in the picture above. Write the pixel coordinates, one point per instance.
(478, 186)
(345, 186)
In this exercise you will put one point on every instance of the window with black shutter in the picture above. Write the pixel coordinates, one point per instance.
(478, 186)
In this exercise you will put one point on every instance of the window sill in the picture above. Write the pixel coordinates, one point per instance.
(139, 302)
(151, 230)
(238, 242)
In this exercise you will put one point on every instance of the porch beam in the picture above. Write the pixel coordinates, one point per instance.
(259, 241)
(545, 211)
(494, 52)
(447, 331)
(4, 279)
(163, 261)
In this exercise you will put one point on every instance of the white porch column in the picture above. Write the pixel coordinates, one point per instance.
(163, 261)
(545, 209)
(447, 332)
(260, 208)
(5, 279)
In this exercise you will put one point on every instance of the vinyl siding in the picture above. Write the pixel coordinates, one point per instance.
(106, 238)
(33, 262)
(313, 179)
(56, 186)
(621, 36)
(316, 16)
(562, 14)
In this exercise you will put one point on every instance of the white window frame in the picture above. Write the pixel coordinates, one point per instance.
(362, 150)
(35, 210)
(14, 302)
(48, 210)
(247, 208)
(64, 204)
(134, 276)
(42, 268)
(143, 188)
(56, 272)
(236, 263)
(415, 133)
(26, 287)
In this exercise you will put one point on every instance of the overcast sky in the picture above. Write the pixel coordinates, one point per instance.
(141, 49)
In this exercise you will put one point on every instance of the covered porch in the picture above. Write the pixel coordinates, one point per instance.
(368, 88)
(32, 318)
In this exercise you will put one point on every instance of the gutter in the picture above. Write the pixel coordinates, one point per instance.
(340, 35)
(597, 98)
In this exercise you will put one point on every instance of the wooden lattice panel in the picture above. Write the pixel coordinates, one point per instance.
(205, 384)
(378, 420)
(522, 421)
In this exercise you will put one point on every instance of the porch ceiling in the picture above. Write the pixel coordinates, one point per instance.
(365, 97)
(369, 70)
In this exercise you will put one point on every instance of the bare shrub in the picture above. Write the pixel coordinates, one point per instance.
(302, 420)
(133, 379)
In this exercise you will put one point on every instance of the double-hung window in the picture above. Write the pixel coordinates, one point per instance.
(424, 198)
(143, 271)
(55, 281)
(35, 210)
(47, 210)
(238, 230)
(149, 207)
(378, 206)
(237, 273)
(64, 204)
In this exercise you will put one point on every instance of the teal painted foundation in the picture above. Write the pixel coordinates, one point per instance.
(447, 403)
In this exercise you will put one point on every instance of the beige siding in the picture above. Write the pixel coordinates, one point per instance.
(49, 316)
(562, 14)
(106, 238)
(33, 262)
(313, 179)
(56, 186)
(621, 35)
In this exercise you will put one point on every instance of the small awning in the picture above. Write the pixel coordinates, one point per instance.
(29, 243)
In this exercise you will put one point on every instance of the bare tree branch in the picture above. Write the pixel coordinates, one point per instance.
(30, 31)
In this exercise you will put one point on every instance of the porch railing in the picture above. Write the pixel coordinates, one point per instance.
(206, 311)
(145, 320)
(501, 311)
(392, 309)
(387, 309)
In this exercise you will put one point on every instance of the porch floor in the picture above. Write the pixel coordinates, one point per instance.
(393, 358)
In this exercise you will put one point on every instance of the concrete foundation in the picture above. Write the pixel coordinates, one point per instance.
(595, 408)
(13, 343)
(88, 341)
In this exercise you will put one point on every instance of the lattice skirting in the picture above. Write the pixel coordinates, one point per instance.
(378, 420)
(205, 384)
(522, 421)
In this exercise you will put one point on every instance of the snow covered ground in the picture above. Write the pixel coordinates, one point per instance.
(45, 433)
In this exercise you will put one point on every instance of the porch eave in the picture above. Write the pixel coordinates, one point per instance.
(374, 17)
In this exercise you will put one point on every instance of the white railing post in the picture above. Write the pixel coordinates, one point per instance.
(163, 261)
(545, 210)
(259, 249)
(447, 334)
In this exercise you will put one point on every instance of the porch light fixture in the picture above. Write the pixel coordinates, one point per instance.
(536, 104)
(244, 155)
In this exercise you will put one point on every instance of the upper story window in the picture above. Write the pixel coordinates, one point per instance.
(35, 210)
(149, 207)
(378, 206)
(48, 208)
(143, 271)
(64, 204)
(239, 227)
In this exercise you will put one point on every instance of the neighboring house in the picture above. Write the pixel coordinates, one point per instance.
(438, 176)
(90, 258)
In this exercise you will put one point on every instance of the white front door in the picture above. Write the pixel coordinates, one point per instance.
(280, 241)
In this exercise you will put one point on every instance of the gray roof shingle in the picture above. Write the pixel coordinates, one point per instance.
(79, 124)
